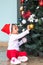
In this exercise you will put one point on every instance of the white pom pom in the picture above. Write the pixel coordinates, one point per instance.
(30, 19)
(42, 18)
(33, 15)
(23, 30)
(24, 21)
(24, 40)
(37, 7)
(36, 20)
(26, 0)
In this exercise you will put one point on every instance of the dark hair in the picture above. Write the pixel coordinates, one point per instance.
(12, 27)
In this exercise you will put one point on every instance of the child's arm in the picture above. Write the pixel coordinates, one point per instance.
(18, 36)
(20, 42)
(24, 40)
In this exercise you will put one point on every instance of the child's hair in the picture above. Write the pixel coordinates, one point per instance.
(12, 27)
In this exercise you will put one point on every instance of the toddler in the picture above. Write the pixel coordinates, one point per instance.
(13, 52)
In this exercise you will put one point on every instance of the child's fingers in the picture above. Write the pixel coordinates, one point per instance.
(28, 27)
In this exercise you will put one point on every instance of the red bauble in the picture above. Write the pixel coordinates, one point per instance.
(21, 1)
(26, 14)
(41, 2)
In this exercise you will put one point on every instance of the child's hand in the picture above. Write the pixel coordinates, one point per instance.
(28, 27)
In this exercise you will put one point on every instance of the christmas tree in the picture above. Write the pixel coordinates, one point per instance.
(31, 13)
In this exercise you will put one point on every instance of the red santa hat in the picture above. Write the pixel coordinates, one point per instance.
(6, 28)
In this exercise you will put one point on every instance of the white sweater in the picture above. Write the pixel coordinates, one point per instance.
(14, 43)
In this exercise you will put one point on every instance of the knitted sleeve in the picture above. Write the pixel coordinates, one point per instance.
(18, 36)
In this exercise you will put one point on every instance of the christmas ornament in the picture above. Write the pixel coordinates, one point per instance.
(41, 2)
(21, 1)
(23, 30)
(26, 14)
(21, 8)
(36, 20)
(33, 15)
(31, 18)
(23, 21)
(26, 0)
(22, 12)
(31, 26)
(6, 28)
(37, 7)
(42, 18)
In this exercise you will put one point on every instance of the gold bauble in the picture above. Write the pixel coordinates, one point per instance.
(21, 8)
(31, 26)
(22, 12)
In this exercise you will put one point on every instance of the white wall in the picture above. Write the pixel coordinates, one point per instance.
(8, 14)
